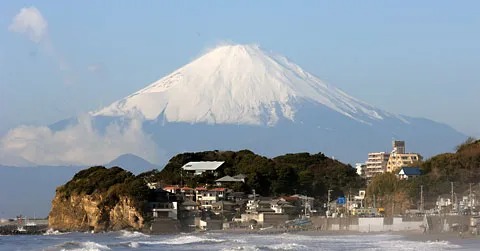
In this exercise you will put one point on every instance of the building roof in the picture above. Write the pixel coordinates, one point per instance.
(202, 165)
(240, 176)
(201, 189)
(171, 188)
(410, 171)
(189, 203)
(223, 203)
(227, 179)
(290, 198)
(218, 189)
(230, 179)
(264, 210)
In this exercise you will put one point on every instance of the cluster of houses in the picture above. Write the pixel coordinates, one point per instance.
(215, 206)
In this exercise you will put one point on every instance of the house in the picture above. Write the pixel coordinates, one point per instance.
(282, 207)
(199, 167)
(207, 197)
(230, 179)
(163, 204)
(172, 189)
(210, 224)
(409, 172)
(189, 205)
(236, 196)
(188, 193)
(222, 206)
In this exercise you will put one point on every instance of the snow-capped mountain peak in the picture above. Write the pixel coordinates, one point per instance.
(238, 84)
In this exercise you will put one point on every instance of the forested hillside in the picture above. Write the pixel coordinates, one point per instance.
(310, 174)
(462, 168)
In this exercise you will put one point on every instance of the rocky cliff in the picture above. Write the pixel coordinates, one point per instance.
(85, 213)
(99, 199)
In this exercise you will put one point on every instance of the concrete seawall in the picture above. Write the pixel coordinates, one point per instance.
(433, 224)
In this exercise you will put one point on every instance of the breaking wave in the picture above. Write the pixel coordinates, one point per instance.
(54, 232)
(81, 246)
(130, 235)
(286, 246)
(182, 240)
(280, 246)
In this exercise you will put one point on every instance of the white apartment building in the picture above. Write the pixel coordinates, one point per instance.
(376, 164)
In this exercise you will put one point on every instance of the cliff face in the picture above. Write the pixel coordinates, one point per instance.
(89, 212)
(99, 199)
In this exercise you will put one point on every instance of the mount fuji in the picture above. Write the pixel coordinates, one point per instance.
(243, 97)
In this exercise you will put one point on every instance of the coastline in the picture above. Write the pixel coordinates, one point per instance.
(413, 235)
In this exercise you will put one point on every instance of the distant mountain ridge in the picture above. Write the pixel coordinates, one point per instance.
(132, 163)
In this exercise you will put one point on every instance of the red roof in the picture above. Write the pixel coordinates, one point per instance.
(171, 188)
(187, 188)
(219, 189)
(200, 189)
(290, 198)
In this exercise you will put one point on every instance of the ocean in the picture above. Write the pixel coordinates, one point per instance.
(125, 240)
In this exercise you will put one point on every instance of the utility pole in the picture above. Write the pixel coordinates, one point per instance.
(347, 208)
(328, 201)
(451, 202)
(470, 197)
(305, 204)
(421, 199)
(393, 205)
(181, 178)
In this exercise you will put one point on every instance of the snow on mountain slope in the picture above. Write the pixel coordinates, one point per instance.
(238, 84)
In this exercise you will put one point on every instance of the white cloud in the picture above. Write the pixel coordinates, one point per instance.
(80, 144)
(29, 21)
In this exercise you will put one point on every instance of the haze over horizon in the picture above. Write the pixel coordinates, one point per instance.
(415, 59)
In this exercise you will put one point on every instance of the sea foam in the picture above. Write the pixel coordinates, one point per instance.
(134, 234)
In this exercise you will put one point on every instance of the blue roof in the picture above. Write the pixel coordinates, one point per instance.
(412, 171)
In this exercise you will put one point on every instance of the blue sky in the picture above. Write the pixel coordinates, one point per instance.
(417, 58)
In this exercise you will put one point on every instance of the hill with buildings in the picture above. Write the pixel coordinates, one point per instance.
(196, 185)
(305, 173)
(449, 180)
(216, 187)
